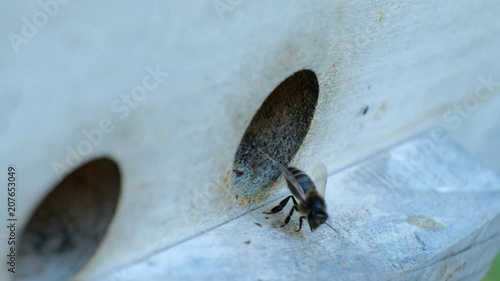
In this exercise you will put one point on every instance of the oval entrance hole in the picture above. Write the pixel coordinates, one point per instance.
(278, 128)
(70, 223)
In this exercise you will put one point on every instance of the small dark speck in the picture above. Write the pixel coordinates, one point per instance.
(247, 242)
(369, 87)
(365, 110)
(236, 196)
(258, 224)
(267, 218)
(238, 173)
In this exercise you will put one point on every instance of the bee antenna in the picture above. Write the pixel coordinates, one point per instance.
(332, 227)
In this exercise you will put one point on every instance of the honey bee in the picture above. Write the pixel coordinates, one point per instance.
(312, 205)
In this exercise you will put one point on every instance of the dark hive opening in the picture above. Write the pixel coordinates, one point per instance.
(278, 128)
(70, 223)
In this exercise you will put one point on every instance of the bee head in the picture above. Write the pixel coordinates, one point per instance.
(316, 218)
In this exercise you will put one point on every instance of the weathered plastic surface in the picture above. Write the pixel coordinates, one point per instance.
(385, 69)
(436, 218)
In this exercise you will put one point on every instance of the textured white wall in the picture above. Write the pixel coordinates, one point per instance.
(410, 62)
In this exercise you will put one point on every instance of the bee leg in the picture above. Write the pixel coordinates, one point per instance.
(281, 205)
(300, 223)
(287, 220)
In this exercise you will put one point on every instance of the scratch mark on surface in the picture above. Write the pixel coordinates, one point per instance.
(420, 240)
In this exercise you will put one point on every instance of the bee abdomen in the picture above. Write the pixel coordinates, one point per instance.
(303, 179)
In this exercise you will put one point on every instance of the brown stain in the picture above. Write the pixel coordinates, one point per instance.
(226, 178)
(380, 17)
(424, 222)
(226, 195)
(245, 201)
(383, 106)
(339, 10)
(382, 109)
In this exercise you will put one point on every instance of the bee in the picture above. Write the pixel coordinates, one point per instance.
(312, 205)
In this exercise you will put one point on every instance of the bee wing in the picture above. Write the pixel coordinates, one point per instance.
(297, 189)
(319, 175)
